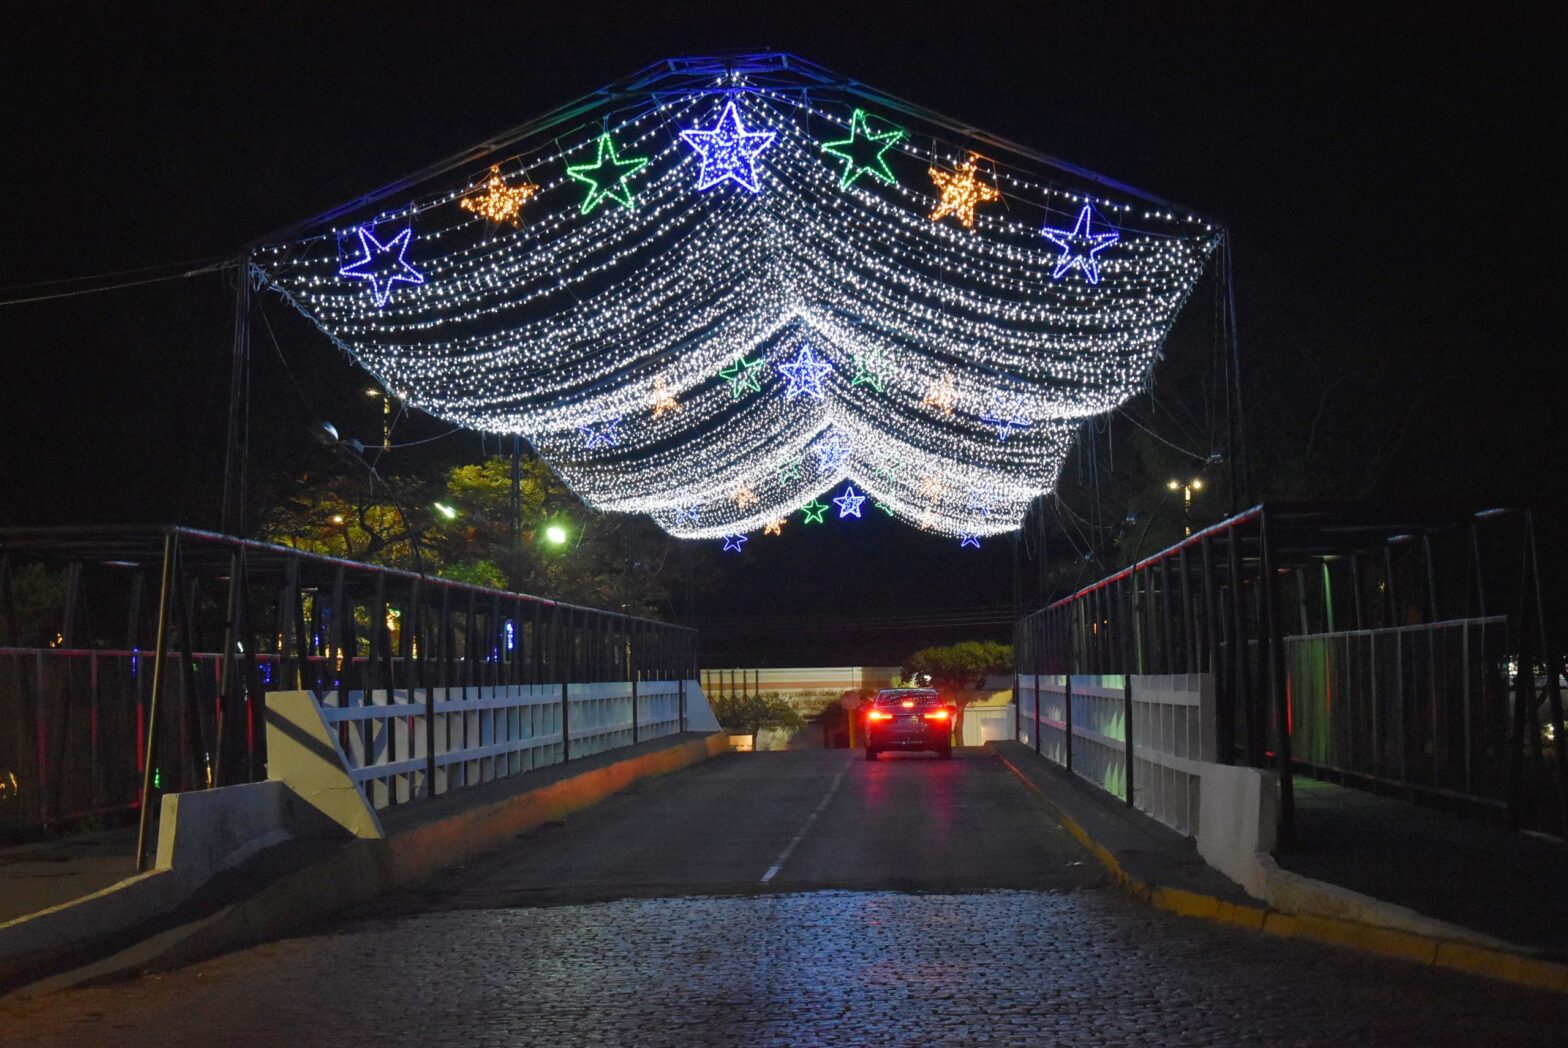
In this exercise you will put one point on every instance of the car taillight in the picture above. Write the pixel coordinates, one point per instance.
(908, 704)
(937, 715)
(879, 715)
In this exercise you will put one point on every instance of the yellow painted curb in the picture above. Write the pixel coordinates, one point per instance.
(1427, 950)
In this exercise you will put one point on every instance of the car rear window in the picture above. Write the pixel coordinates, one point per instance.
(920, 698)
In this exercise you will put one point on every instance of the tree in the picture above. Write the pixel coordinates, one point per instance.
(749, 714)
(458, 525)
(956, 668)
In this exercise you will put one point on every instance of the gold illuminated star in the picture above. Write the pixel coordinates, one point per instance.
(962, 192)
(774, 527)
(743, 496)
(942, 395)
(499, 202)
(663, 399)
(931, 488)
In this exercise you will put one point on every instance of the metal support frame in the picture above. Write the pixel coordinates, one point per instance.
(160, 650)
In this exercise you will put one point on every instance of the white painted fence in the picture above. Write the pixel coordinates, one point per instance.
(1172, 733)
(983, 724)
(486, 733)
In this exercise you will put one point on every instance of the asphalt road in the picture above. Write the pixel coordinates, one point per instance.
(739, 825)
(782, 899)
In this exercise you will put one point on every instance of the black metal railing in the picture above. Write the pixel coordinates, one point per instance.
(1318, 622)
(154, 678)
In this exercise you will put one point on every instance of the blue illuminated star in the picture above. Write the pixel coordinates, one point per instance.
(805, 374)
(969, 540)
(686, 514)
(734, 542)
(729, 151)
(1009, 418)
(981, 500)
(1079, 246)
(831, 452)
(381, 266)
(604, 434)
(849, 502)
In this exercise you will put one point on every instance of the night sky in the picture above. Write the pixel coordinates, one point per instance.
(1378, 167)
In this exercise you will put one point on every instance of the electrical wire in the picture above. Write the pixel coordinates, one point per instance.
(202, 269)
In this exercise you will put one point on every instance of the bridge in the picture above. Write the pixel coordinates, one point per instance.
(512, 820)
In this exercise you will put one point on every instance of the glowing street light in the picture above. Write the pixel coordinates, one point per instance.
(1195, 484)
(555, 535)
(449, 512)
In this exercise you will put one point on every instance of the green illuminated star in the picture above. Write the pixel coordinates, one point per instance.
(887, 466)
(884, 507)
(862, 152)
(742, 377)
(868, 370)
(606, 176)
(789, 471)
(814, 511)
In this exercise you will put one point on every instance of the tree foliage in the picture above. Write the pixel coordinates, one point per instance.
(961, 666)
(749, 714)
(607, 561)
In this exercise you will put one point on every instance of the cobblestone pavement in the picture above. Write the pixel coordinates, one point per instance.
(1083, 967)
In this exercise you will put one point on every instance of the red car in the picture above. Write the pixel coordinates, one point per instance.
(909, 719)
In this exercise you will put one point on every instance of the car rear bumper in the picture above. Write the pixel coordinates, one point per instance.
(928, 739)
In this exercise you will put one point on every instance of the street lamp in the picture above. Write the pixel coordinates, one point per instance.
(449, 512)
(386, 398)
(1186, 489)
(555, 535)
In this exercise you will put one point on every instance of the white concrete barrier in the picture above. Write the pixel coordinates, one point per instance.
(1237, 821)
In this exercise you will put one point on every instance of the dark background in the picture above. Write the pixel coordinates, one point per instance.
(1378, 167)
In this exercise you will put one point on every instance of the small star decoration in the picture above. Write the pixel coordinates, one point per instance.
(742, 377)
(805, 374)
(868, 370)
(604, 434)
(606, 176)
(814, 511)
(663, 399)
(743, 496)
(381, 266)
(831, 452)
(499, 202)
(1009, 419)
(961, 192)
(1079, 246)
(849, 502)
(774, 527)
(729, 151)
(862, 152)
(941, 395)
(734, 542)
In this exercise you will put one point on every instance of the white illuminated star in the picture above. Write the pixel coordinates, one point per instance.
(729, 151)
(805, 374)
(849, 503)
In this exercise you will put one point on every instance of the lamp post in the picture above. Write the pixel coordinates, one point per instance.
(1186, 489)
(386, 398)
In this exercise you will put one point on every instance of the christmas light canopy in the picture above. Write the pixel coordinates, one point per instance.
(796, 293)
